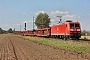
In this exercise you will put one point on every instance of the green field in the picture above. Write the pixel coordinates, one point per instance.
(67, 44)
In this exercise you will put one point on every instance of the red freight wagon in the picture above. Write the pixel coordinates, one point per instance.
(30, 33)
(66, 30)
(44, 32)
(24, 33)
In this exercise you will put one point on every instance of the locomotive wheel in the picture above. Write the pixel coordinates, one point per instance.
(63, 37)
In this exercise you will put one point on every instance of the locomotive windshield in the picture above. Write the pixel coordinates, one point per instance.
(74, 25)
(77, 25)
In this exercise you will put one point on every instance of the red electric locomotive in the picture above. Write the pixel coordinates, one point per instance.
(66, 30)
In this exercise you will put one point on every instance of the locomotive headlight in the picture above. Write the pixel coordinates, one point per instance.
(78, 29)
(71, 29)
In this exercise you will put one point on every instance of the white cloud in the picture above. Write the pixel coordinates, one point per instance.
(26, 21)
(6, 12)
(17, 24)
(65, 15)
(31, 12)
(71, 17)
(39, 12)
(89, 14)
(25, 14)
(6, 25)
(58, 13)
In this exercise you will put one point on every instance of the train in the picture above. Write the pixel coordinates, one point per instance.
(66, 30)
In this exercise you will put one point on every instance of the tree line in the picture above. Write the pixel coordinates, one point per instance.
(85, 33)
(6, 31)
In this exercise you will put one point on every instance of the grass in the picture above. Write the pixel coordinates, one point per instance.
(72, 45)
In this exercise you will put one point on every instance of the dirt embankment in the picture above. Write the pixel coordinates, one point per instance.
(14, 48)
(85, 37)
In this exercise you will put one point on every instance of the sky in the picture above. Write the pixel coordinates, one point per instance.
(14, 13)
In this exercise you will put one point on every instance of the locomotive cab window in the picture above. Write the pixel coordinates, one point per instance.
(74, 25)
(77, 25)
(71, 25)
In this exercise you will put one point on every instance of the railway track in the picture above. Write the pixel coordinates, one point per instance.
(79, 40)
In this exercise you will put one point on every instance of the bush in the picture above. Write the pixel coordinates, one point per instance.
(85, 38)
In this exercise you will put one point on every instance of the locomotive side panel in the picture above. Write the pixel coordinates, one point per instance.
(59, 29)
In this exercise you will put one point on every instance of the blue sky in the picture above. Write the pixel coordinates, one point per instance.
(14, 13)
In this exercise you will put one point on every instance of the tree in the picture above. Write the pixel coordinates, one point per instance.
(1, 31)
(10, 30)
(84, 33)
(42, 20)
(4, 32)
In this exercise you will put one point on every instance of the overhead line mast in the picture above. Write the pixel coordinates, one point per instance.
(60, 19)
(33, 22)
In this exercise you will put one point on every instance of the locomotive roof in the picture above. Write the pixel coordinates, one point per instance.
(67, 22)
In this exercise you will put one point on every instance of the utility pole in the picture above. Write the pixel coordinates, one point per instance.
(33, 22)
(20, 27)
(60, 19)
